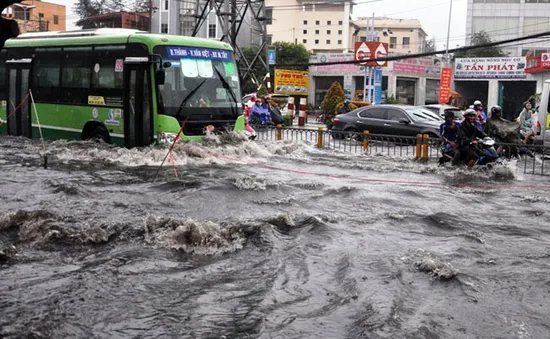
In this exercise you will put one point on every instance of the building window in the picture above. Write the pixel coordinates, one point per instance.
(339, 42)
(304, 31)
(339, 32)
(393, 42)
(165, 5)
(316, 31)
(212, 31)
(340, 22)
(328, 31)
(305, 22)
(40, 16)
(304, 41)
(317, 22)
(317, 42)
(164, 28)
(328, 42)
(56, 19)
(268, 15)
(406, 42)
(329, 23)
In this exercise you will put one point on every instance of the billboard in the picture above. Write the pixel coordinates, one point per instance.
(291, 82)
(490, 68)
(365, 50)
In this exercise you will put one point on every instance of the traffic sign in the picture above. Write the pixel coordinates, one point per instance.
(365, 50)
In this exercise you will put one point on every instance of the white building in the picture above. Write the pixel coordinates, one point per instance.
(507, 19)
(404, 36)
(322, 26)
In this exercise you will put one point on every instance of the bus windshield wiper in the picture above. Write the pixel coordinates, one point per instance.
(184, 101)
(228, 89)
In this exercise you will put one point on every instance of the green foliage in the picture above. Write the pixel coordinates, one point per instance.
(481, 38)
(291, 55)
(334, 96)
(262, 92)
(287, 120)
(392, 100)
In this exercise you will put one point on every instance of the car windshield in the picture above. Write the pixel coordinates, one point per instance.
(418, 113)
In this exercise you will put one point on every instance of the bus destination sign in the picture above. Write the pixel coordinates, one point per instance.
(198, 53)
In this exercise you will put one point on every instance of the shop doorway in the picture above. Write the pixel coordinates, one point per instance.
(472, 91)
(512, 95)
(406, 91)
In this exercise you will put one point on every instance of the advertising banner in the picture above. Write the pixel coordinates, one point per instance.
(335, 69)
(418, 67)
(291, 82)
(490, 68)
(378, 86)
(445, 84)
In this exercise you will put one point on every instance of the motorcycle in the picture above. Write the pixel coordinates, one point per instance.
(485, 149)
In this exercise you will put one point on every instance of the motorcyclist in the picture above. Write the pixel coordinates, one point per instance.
(448, 131)
(481, 115)
(345, 107)
(466, 137)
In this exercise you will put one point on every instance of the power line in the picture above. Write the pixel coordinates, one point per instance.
(428, 54)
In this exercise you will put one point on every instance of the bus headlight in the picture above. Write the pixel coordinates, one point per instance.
(166, 137)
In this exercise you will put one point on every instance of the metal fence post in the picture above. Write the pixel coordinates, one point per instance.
(279, 132)
(365, 140)
(320, 137)
(418, 146)
(426, 140)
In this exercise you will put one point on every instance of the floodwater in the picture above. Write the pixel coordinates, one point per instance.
(262, 239)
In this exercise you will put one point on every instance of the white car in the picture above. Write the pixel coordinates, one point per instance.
(282, 100)
(441, 109)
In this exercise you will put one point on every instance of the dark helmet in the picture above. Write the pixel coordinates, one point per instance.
(496, 109)
(449, 114)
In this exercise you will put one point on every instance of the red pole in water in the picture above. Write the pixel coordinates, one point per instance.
(302, 115)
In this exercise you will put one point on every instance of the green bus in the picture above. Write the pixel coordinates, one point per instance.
(123, 86)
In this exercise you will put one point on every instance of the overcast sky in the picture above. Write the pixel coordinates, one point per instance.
(433, 15)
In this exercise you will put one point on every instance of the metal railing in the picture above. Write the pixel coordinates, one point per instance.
(533, 159)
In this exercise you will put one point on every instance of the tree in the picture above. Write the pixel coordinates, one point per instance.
(479, 39)
(291, 55)
(429, 46)
(334, 96)
(90, 8)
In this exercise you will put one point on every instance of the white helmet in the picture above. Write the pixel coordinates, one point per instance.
(477, 102)
(469, 111)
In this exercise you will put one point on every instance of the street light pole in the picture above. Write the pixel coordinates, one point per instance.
(25, 8)
(448, 32)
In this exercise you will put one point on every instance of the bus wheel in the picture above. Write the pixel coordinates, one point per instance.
(100, 133)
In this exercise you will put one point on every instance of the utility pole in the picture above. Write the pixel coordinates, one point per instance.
(150, 15)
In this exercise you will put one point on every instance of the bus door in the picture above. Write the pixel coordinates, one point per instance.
(138, 118)
(18, 106)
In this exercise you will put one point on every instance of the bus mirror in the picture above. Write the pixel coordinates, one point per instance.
(166, 64)
(161, 77)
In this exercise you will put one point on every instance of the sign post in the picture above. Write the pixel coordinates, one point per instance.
(365, 50)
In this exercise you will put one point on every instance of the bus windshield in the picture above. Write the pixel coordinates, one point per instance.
(205, 80)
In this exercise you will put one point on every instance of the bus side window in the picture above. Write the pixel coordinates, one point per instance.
(107, 71)
(76, 74)
(46, 81)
